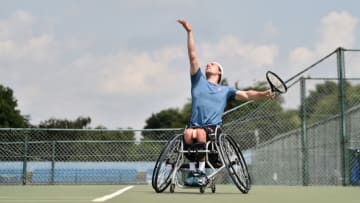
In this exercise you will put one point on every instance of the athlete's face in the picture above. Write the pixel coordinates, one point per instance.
(212, 68)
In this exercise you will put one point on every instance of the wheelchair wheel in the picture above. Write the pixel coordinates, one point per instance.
(166, 163)
(235, 163)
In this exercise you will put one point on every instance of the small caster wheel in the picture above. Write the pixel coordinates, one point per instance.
(213, 188)
(172, 188)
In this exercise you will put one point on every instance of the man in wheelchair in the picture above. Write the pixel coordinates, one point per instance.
(209, 99)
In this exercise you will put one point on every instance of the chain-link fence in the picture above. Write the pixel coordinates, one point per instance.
(308, 136)
(58, 156)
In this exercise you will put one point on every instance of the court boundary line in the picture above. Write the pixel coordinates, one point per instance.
(112, 195)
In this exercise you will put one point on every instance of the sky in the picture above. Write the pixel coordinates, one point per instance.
(120, 61)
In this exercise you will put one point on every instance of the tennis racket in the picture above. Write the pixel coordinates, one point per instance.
(277, 85)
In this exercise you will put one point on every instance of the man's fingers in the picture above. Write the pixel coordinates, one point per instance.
(185, 24)
(181, 21)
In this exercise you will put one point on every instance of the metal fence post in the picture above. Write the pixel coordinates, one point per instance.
(343, 136)
(25, 156)
(53, 162)
(304, 141)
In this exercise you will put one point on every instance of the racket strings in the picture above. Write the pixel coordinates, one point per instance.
(278, 84)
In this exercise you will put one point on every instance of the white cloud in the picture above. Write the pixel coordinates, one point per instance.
(132, 73)
(124, 83)
(301, 56)
(17, 27)
(231, 46)
(19, 44)
(8, 50)
(270, 31)
(245, 61)
(42, 49)
(114, 89)
(53, 74)
(337, 29)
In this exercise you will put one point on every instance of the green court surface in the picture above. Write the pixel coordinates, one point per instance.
(144, 193)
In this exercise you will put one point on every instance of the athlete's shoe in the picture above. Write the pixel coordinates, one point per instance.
(196, 179)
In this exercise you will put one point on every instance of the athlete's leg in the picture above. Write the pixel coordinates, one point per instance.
(198, 135)
(201, 138)
(189, 141)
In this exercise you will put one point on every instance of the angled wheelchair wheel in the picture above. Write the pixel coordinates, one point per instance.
(235, 162)
(166, 164)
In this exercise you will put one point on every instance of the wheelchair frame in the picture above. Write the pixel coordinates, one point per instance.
(172, 158)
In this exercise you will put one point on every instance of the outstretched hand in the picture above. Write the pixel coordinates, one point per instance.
(185, 24)
(269, 94)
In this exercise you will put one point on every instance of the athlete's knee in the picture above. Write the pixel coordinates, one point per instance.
(188, 136)
(201, 136)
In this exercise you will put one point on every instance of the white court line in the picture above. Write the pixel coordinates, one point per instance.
(112, 195)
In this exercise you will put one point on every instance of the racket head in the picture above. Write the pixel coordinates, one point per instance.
(276, 83)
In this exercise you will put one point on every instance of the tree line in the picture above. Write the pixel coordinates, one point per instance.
(320, 101)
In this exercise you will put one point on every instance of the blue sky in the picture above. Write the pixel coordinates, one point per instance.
(119, 61)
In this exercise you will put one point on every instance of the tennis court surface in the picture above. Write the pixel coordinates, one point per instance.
(144, 193)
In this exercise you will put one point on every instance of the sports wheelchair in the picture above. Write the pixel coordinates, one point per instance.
(221, 151)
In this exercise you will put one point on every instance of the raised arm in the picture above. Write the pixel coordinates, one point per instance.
(194, 63)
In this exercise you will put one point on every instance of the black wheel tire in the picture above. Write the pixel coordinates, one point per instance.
(235, 162)
(165, 165)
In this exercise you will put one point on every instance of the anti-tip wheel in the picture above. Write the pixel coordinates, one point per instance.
(172, 188)
(213, 188)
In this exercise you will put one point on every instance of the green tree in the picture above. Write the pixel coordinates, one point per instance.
(10, 116)
(317, 97)
(186, 112)
(169, 118)
(79, 123)
(353, 95)
(85, 144)
(323, 102)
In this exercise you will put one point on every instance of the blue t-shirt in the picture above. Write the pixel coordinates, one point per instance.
(208, 101)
